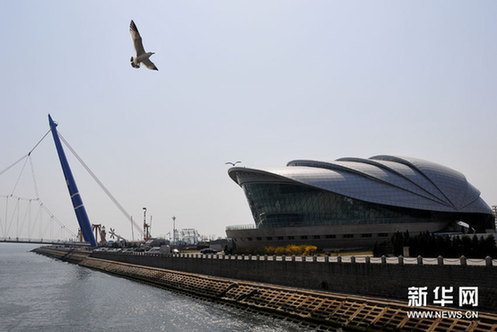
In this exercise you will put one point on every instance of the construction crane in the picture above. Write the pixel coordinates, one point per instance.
(146, 227)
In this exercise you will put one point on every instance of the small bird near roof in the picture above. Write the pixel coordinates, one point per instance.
(141, 55)
(232, 163)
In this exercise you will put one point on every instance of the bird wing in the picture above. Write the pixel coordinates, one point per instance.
(149, 64)
(137, 39)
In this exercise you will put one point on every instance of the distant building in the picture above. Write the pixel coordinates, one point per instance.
(188, 236)
(354, 202)
(219, 245)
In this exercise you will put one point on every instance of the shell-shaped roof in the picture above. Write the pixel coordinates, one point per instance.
(388, 180)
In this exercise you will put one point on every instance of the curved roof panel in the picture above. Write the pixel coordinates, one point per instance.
(388, 180)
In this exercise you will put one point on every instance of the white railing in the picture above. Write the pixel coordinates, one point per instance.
(400, 260)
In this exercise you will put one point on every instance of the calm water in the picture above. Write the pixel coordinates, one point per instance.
(40, 293)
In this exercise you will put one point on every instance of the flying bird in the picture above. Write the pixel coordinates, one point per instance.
(141, 55)
(233, 163)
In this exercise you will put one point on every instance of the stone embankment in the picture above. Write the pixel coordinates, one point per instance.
(377, 277)
(71, 255)
(319, 309)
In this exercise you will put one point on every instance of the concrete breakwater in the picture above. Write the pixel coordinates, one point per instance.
(71, 255)
(367, 279)
(321, 309)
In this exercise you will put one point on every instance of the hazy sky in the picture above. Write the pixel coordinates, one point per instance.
(263, 82)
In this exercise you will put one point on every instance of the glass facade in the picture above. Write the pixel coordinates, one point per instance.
(293, 205)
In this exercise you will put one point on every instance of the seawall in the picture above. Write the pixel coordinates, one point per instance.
(71, 255)
(319, 309)
(368, 279)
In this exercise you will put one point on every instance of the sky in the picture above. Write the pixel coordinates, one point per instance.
(264, 82)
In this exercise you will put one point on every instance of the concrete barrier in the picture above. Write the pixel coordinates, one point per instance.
(368, 279)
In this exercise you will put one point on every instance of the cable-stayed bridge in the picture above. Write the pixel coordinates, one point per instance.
(26, 219)
(29, 220)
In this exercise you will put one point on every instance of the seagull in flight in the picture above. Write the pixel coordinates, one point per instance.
(232, 163)
(141, 55)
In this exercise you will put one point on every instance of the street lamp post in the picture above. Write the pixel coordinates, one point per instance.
(174, 230)
(145, 226)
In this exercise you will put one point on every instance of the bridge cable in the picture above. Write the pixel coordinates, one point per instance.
(15, 163)
(120, 207)
(19, 177)
(53, 217)
(34, 178)
(42, 207)
(28, 154)
(6, 214)
(8, 224)
(36, 145)
(12, 218)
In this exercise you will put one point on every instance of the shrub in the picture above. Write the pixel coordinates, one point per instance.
(269, 250)
(280, 251)
(293, 250)
(310, 250)
(289, 250)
